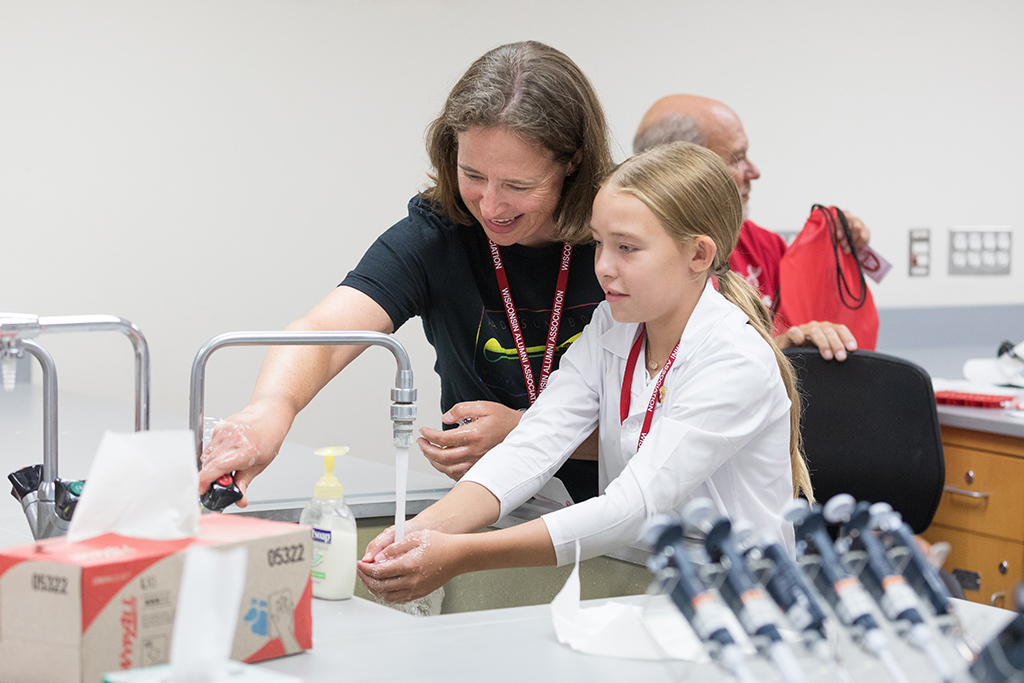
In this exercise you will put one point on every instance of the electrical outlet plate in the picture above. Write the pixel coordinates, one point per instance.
(920, 252)
(980, 249)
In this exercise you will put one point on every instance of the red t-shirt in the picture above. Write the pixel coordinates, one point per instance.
(756, 259)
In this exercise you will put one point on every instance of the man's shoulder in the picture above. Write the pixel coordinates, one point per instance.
(752, 233)
(756, 259)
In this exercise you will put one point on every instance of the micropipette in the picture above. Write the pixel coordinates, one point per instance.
(887, 586)
(771, 563)
(908, 557)
(703, 609)
(840, 588)
(740, 589)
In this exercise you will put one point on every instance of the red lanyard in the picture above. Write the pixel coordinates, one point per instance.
(627, 385)
(513, 320)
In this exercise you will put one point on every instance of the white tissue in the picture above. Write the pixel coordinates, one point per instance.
(656, 632)
(141, 484)
(207, 614)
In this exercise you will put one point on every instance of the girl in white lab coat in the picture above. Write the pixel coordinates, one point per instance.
(678, 369)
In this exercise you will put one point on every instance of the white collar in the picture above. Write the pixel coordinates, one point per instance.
(711, 308)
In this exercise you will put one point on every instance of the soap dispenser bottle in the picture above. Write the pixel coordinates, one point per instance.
(334, 534)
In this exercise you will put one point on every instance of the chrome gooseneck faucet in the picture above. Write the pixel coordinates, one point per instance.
(403, 395)
(17, 331)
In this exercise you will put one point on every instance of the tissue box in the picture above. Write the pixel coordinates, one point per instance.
(73, 611)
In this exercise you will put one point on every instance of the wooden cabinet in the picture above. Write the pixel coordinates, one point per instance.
(985, 557)
(982, 513)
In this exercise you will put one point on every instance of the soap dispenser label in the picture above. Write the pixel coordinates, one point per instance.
(321, 546)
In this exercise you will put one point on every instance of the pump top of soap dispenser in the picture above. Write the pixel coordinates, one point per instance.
(329, 487)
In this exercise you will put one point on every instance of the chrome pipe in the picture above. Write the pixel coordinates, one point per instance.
(16, 333)
(403, 395)
(24, 326)
(49, 412)
(96, 323)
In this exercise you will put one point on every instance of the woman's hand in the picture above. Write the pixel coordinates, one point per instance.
(416, 566)
(243, 444)
(454, 451)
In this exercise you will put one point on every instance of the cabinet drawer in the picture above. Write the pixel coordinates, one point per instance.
(983, 556)
(996, 507)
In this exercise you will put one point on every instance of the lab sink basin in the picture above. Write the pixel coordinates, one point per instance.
(600, 577)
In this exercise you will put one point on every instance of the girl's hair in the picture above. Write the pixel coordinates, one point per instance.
(539, 94)
(691, 192)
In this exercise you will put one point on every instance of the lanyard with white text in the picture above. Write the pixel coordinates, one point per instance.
(627, 385)
(513, 321)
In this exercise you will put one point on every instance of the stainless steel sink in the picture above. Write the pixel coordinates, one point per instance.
(600, 577)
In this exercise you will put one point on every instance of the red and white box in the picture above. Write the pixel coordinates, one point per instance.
(70, 612)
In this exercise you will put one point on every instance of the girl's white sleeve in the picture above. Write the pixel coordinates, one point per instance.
(724, 401)
(563, 416)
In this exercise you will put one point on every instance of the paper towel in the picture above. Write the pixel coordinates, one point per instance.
(207, 614)
(141, 484)
(656, 631)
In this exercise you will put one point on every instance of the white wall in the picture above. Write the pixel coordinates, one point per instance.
(202, 166)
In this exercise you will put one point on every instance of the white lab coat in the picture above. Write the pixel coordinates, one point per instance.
(722, 432)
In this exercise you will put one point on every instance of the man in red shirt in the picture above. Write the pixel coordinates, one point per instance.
(711, 124)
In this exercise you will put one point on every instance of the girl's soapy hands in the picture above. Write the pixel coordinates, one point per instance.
(383, 540)
(482, 426)
(387, 537)
(412, 568)
(243, 445)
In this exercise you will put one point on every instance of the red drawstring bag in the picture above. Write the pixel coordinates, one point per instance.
(817, 281)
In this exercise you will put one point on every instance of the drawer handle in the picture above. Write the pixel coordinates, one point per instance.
(996, 596)
(964, 492)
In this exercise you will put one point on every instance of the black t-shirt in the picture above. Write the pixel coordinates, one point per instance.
(425, 265)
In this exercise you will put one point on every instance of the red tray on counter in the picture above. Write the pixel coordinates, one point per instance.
(963, 398)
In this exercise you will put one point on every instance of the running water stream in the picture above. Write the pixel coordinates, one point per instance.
(401, 484)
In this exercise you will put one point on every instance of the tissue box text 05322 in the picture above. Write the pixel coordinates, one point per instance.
(72, 611)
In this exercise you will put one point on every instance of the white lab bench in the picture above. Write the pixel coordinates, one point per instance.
(988, 420)
(357, 640)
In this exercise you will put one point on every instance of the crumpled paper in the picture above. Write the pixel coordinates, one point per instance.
(657, 631)
(141, 484)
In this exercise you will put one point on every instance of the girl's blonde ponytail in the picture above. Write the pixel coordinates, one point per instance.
(692, 193)
(738, 291)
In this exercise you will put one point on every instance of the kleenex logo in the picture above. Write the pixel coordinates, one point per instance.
(321, 536)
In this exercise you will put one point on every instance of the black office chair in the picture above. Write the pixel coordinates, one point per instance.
(870, 429)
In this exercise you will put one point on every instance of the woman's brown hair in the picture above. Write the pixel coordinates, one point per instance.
(539, 94)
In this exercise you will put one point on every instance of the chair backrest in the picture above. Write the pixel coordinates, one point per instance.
(870, 429)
